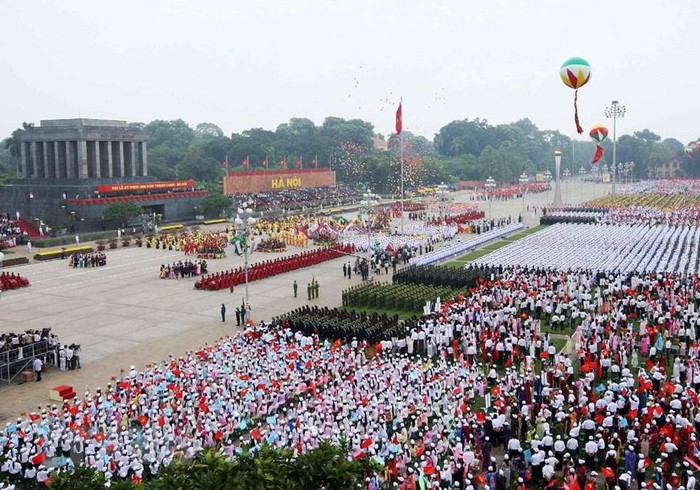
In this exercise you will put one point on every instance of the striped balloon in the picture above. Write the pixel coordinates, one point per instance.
(575, 72)
(598, 133)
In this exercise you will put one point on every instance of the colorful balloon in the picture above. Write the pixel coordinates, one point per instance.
(598, 133)
(575, 73)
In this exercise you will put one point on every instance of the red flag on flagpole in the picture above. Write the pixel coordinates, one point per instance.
(399, 119)
(299, 163)
(245, 163)
(283, 163)
(225, 163)
(264, 162)
(314, 162)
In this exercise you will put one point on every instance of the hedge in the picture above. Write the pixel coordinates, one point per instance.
(14, 261)
(171, 227)
(56, 254)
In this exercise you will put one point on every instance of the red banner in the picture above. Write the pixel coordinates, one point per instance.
(146, 186)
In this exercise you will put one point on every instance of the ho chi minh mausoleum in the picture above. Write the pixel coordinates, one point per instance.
(71, 169)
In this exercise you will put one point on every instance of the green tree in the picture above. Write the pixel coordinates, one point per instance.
(174, 134)
(121, 212)
(216, 204)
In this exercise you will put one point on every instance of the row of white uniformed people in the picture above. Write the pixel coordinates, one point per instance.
(467, 243)
(606, 248)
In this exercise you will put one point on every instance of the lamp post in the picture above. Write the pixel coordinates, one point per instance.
(567, 174)
(614, 110)
(557, 177)
(369, 200)
(523, 180)
(631, 171)
(603, 171)
(243, 228)
(548, 179)
(581, 173)
(442, 196)
(490, 185)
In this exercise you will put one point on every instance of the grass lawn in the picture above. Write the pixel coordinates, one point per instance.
(463, 259)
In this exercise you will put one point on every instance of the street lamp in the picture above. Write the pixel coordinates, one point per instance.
(442, 195)
(369, 200)
(631, 171)
(243, 228)
(603, 171)
(523, 180)
(490, 186)
(614, 110)
(548, 179)
(567, 174)
(557, 177)
(581, 173)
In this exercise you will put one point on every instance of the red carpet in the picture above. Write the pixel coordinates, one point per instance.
(28, 227)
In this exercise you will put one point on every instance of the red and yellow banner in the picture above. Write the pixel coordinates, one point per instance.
(146, 186)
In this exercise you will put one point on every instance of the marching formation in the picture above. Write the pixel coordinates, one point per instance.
(182, 269)
(623, 248)
(94, 259)
(268, 268)
(12, 280)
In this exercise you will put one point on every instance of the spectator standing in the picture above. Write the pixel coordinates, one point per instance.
(38, 366)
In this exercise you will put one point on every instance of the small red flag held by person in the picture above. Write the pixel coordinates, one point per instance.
(399, 118)
(39, 459)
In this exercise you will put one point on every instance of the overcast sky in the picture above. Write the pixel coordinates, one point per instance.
(257, 63)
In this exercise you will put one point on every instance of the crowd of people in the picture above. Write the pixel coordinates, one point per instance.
(488, 389)
(626, 215)
(93, 259)
(261, 270)
(295, 199)
(24, 345)
(191, 242)
(512, 191)
(182, 269)
(12, 280)
(624, 248)
(10, 233)
(475, 394)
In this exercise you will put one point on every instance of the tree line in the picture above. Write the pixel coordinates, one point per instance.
(461, 150)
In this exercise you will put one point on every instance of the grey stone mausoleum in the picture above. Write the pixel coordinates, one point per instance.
(82, 149)
(72, 169)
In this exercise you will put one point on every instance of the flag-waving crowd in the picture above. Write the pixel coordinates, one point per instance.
(415, 407)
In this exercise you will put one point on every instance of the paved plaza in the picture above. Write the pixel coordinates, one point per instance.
(123, 314)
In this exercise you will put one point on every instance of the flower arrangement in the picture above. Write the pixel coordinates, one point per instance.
(271, 245)
(325, 236)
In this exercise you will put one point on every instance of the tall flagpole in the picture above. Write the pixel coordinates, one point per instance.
(401, 157)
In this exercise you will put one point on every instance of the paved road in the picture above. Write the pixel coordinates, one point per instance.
(123, 314)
